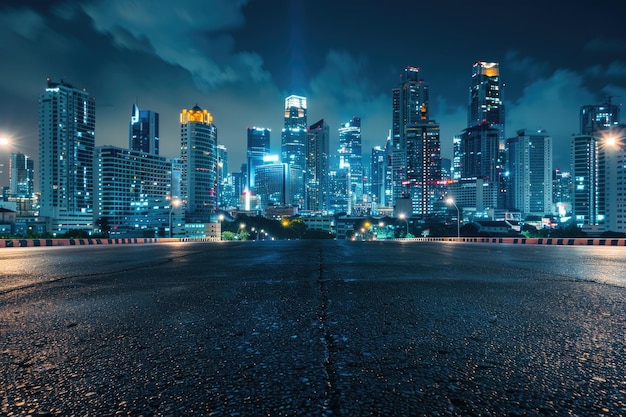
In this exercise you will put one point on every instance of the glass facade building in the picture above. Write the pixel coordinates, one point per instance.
(143, 132)
(530, 165)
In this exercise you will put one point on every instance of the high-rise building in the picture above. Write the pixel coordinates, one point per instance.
(379, 163)
(584, 168)
(224, 190)
(423, 166)
(132, 191)
(562, 192)
(485, 104)
(67, 122)
(257, 149)
(479, 153)
(480, 150)
(143, 135)
(198, 154)
(530, 164)
(409, 107)
(351, 158)
(595, 118)
(316, 173)
(592, 158)
(21, 175)
(293, 141)
(612, 150)
(274, 183)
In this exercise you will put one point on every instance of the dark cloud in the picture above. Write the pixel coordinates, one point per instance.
(239, 59)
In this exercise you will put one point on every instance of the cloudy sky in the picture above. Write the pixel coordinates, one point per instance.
(240, 58)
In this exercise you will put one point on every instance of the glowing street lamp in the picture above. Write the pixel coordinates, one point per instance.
(450, 201)
(175, 203)
(402, 216)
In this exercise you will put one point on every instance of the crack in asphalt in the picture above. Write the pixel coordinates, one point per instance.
(331, 401)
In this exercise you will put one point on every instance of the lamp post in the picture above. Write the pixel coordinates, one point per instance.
(450, 201)
(402, 216)
(173, 204)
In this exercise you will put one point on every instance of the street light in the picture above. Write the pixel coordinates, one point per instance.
(450, 201)
(175, 203)
(402, 216)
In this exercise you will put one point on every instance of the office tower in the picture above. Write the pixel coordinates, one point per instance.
(530, 164)
(378, 162)
(67, 121)
(21, 175)
(612, 154)
(478, 153)
(595, 118)
(132, 193)
(143, 135)
(590, 159)
(274, 183)
(293, 141)
(584, 169)
(198, 154)
(257, 149)
(222, 176)
(350, 157)
(409, 107)
(485, 104)
(423, 166)
(316, 173)
(562, 192)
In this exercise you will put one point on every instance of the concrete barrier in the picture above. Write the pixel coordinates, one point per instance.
(23, 243)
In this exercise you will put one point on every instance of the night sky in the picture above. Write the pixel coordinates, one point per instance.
(240, 59)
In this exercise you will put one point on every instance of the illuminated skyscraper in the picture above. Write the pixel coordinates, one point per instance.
(67, 121)
(21, 175)
(316, 173)
(293, 141)
(350, 157)
(595, 118)
(379, 162)
(143, 135)
(530, 163)
(409, 107)
(485, 104)
(198, 154)
(423, 166)
(258, 148)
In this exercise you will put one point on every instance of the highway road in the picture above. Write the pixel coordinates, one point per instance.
(322, 328)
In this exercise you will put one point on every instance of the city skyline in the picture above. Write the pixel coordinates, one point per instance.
(240, 59)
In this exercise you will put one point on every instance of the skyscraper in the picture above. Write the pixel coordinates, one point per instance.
(595, 118)
(423, 165)
(350, 157)
(21, 175)
(198, 154)
(67, 121)
(257, 149)
(530, 164)
(316, 173)
(485, 104)
(409, 107)
(293, 141)
(379, 162)
(143, 135)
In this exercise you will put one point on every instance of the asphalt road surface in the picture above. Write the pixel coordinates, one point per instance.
(313, 328)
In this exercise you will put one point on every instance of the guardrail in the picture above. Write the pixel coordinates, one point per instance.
(528, 241)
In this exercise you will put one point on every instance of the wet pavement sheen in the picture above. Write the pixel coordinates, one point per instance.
(321, 328)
